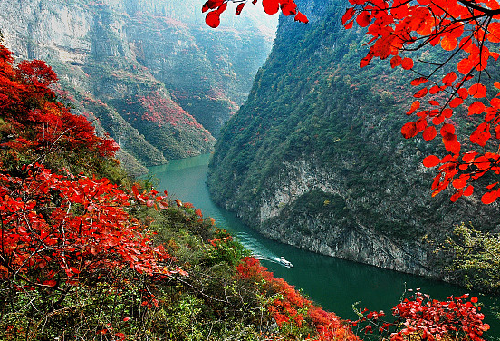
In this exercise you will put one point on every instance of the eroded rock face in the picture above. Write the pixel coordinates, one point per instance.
(315, 157)
(158, 80)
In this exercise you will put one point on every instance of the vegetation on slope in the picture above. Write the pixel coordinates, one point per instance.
(85, 254)
(316, 129)
(112, 56)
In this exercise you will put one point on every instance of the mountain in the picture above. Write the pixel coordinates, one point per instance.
(315, 157)
(150, 74)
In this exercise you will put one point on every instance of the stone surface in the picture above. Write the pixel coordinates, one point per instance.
(149, 73)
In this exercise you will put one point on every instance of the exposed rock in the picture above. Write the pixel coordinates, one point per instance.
(315, 157)
(159, 80)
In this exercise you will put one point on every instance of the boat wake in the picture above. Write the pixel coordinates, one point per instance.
(259, 251)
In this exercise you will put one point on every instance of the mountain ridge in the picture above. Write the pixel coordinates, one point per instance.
(315, 157)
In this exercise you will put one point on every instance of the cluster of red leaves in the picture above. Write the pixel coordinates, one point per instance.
(36, 119)
(293, 308)
(457, 318)
(57, 227)
(65, 228)
(164, 111)
(435, 319)
(466, 31)
(216, 7)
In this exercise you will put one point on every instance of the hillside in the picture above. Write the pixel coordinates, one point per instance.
(148, 73)
(315, 157)
(86, 254)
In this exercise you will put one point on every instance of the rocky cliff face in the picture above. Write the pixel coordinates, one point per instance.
(149, 73)
(315, 157)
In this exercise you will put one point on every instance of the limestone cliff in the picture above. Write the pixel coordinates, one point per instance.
(315, 157)
(149, 73)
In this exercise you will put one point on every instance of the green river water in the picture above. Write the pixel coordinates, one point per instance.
(334, 284)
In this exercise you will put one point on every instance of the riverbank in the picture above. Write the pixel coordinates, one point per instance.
(333, 283)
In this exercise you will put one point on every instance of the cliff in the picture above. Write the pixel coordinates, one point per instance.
(150, 74)
(315, 157)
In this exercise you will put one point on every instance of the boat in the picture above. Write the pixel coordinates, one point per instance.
(285, 263)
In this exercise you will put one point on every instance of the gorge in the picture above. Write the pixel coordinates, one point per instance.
(310, 167)
(315, 157)
(150, 74)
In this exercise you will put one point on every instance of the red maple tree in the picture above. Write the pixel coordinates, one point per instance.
(466, 33)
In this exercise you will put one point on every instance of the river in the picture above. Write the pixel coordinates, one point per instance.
(334, 284)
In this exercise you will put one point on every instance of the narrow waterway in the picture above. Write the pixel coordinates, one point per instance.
(333, 283)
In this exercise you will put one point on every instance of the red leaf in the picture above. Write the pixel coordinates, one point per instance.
(348, 15)
(429, 133)
(457, 195)
(366, 60)
(301, 18)
(452, 145)
(489, 197)
(289, 8)
(363, 19)
(271, 7)
(449, 43)
(449, 78)
(135, 190)
(50, 283)
(462, 93)
(409, 130)
(421, 93)
(464, 66)
(431, 161)
(481, 135)
(419, 80)
(476, 108)
(414, 106)
(489, 187)
(213, 19)
(407, 63)
(469, 156)
(239, 8)
(460, 183)
(468, 191)
(395, 61)
(349, 25)
(456, 102)
(477, 90)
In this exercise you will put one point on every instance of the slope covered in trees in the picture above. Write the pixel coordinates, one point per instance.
(85, 254)
(315, 157)
(116, 58)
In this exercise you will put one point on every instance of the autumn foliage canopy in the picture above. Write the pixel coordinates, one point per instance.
(456, 82)
(57, 227)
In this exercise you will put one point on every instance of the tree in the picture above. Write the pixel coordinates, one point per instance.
(454, 82)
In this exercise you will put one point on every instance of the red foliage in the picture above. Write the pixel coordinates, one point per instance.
(293, 308)
(466, 31)
(63, 228)
(66, 228)
(216, 7)
(457, 318)
(30, 107)
(164, 112)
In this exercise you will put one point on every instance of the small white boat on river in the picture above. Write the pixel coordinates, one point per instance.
(285, 263)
